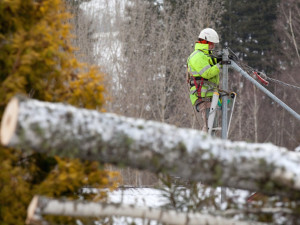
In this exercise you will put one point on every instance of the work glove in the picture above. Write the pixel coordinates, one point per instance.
(219, 59)
(216, 58)
(213, 61)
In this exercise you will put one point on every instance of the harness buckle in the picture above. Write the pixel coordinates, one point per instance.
(226, 62)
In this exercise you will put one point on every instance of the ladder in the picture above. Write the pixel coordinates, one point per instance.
(213, 109)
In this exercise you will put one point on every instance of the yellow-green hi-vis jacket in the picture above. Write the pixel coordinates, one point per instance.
(200, 64)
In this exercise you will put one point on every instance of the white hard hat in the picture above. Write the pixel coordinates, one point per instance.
(210, 35)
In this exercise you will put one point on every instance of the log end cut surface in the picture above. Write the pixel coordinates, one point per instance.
(32, 209)
(9, 121)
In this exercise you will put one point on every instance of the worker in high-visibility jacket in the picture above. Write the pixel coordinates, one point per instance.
(203, 71)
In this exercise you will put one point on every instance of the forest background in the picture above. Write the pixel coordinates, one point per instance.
(144, 45)
(141, 47)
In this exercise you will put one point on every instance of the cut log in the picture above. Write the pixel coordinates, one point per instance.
(40, 206)
(9, 121)
(59, 129)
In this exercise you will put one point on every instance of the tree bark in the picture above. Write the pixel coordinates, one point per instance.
(40, 206)
(59, 129)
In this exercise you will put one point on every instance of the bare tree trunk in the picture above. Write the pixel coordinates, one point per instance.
(288, 32)
(293, 34)
(59, 129)
(255, 113)
(40, 206)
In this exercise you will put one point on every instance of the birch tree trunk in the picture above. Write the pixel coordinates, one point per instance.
(40, 206)
(59, 129)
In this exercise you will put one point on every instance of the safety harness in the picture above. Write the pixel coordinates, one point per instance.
(198, 87)
(198, 82)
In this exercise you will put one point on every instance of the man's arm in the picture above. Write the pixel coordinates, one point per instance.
(212, 72)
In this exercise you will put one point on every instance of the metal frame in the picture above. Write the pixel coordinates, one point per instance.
(224, 128)
(225, 97)
(266, 91)
(226, 63)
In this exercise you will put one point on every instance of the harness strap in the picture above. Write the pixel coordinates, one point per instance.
(205, 82)
(198, 87)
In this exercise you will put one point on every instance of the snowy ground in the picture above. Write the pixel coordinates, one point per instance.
(155, 198)
(138, 196)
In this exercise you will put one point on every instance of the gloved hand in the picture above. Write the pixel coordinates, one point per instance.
(215, 60)
(219, 59)
(219, 54)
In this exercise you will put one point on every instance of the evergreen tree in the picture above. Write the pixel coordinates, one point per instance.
(248, 29)
(37, 60)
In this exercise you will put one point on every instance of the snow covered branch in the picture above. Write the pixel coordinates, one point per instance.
(40, 206)
(59, 129)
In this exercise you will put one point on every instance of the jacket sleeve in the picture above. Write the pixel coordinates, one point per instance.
(212, 72)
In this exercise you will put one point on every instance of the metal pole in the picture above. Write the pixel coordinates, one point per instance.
(225, 97)
(224, 105)
(266, 91)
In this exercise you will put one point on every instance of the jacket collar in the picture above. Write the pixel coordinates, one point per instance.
(202, 47)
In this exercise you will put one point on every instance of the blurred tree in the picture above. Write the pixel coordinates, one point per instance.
(37, 60)
(84, 30)
(248, 28)
(286, 130)
(156, 37)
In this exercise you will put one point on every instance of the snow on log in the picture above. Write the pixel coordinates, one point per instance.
(40, 206)
(59, 129)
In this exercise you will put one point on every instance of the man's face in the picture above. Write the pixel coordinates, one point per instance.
(211, 46)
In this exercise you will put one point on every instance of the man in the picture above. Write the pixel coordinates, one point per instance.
(203, 72)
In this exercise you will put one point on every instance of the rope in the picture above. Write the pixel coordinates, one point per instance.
(283, 83)
(250, 70)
